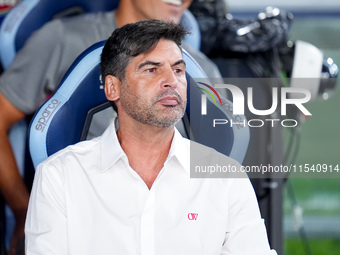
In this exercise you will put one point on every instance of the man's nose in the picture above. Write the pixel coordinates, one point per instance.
(170, 79)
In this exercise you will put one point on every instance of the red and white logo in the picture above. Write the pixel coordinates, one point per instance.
(6, 5)
(192, 216)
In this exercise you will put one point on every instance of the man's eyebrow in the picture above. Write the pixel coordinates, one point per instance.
(148, 63)
(152, 63)
(181, 61)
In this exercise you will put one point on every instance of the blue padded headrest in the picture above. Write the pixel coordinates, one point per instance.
(59, 122)
(29, 15)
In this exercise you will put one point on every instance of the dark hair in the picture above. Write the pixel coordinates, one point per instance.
(134, 39)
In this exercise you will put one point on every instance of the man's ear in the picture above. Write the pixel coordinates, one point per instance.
(112, 88)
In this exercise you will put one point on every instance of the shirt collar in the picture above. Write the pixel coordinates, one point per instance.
(180, 150)
(111, 151)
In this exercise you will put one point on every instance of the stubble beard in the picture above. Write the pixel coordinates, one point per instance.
(152, 113)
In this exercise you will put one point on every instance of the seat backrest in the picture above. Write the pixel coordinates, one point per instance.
(29, 15)
(60, 121)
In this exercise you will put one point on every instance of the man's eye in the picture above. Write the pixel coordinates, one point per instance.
(178, 70)
(151, 70)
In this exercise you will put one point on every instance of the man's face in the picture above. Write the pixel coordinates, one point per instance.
(154, 89)
(168, 10)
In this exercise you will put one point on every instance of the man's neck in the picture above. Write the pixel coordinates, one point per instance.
(147, 147)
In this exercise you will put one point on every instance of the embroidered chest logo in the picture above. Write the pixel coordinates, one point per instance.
(192, 216)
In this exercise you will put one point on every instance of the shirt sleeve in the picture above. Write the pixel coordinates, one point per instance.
(29, 79)
(46, 222)
(246, 233)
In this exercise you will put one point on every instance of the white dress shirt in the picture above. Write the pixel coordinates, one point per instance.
(86, 199)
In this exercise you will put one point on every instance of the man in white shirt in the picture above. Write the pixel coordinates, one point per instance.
(129, 191)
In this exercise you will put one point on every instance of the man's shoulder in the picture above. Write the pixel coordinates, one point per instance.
(203, 152)
(206, 162)
(74, 153)
(87, 18)
(77, 22)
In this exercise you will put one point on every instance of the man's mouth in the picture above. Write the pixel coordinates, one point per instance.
(174, 2)
(169, 100)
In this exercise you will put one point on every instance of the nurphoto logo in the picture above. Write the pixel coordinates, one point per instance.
(281, 98)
